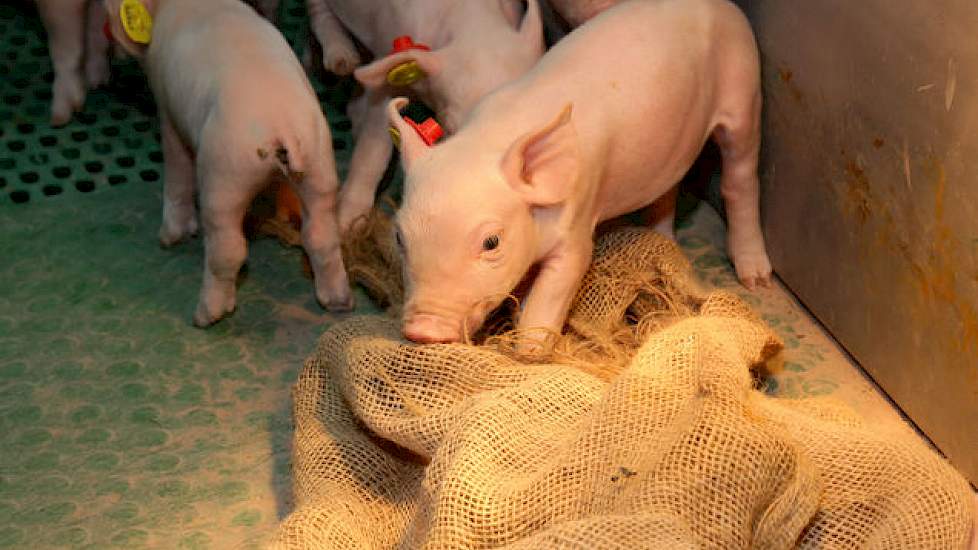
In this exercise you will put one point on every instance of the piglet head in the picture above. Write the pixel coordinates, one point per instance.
(469, 228)
(469, 65)
(115, 11)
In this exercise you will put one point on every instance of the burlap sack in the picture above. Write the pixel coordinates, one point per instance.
(646, 431)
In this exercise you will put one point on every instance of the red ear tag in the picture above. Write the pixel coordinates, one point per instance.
(429, 130)
(409, 72)
(404, 43)
(107, 31)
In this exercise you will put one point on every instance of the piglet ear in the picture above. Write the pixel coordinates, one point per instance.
(374, 75)
(113, 9)
(543, 165)
(410, 143)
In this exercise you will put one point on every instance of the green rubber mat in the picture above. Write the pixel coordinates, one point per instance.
(120, 423)
(123, 426)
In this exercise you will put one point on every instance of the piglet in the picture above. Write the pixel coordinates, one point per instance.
(79, 52)
(236, 109)
(470, 47)
(609, 120)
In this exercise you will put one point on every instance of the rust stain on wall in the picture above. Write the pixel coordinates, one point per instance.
(858, 191)
(929, 253)
(787, 77)
(937, 274)
(940, 184)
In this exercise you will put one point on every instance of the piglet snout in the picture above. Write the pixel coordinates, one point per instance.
(430, 329)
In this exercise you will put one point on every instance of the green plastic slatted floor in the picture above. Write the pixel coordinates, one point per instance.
(120, 424)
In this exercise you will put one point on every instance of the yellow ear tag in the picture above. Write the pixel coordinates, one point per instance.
(405, 74)
(395, 136)
(136, 21)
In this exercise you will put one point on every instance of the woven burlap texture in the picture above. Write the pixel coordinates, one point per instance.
(645, 431)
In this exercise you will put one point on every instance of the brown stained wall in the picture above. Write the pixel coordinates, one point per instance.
(870, 181)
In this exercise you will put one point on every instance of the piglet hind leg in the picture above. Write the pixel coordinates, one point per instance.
(321, 236)
(661, 214)
(65, 25)
(739, 142)
(224, 197)
(179, 214)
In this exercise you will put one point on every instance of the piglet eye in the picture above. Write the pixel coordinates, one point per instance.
(491, 242)
(398, 239)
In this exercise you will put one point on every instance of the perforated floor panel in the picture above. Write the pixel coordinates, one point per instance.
(120, 424)
(115, 140)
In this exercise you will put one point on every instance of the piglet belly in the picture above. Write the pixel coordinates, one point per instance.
(628, 194)
(637, 173)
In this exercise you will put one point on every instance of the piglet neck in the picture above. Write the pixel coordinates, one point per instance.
(550, 225)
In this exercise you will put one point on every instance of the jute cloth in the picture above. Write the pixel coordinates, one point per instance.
(644, 430)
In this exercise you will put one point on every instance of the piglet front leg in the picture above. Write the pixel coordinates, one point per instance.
(371, 153)
(97, 47)
(65, 25)
(179, 213)
(340, 55)
(552, 294)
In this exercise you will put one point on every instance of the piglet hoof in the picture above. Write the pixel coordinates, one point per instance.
(60, 115)
(353, 215)
(168, 240)
(354, 226)
(68, 97)
(341, 305)
(170, 236)
(61, 112)
(204, 318)
(534, 345)
(333, 293)
(171, 239)
(753, 270)
(340, 60)
(96, 71)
